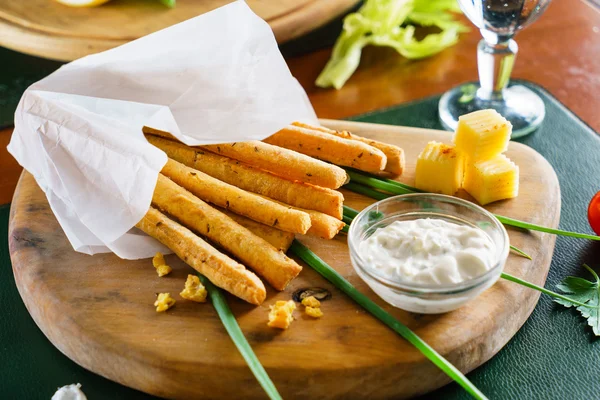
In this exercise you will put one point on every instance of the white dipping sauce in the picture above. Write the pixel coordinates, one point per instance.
(428, 251)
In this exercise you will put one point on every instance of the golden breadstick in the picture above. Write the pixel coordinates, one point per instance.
(237, 200)
(322, 225)
(297, 194)
(394, 154)
(327, 147)
(217, 267)
(279, 239)
(283, 162)
(254, 252)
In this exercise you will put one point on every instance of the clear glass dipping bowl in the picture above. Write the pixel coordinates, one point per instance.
(419, 297)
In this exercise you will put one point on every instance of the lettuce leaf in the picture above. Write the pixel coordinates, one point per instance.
(390, 23)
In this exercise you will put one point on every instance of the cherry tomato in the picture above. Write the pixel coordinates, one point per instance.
(594, 213)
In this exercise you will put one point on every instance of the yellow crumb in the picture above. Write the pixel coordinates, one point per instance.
(161, 266)
(194, 290)
(163, 302)
(158, 260)
(281, 314)
(314, 312)
(311, 301)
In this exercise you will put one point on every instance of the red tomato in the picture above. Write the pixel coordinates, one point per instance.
(594, 213)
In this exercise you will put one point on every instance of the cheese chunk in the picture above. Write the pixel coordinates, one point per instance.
(163, 302)
(158, 261)
(194, 290)
(311, 301)
(482, 134)
(491, 180)
(439, 169)
(314, 312)
(281, 314)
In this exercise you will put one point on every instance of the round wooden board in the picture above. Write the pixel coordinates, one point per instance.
(98, 310)
(49, 29)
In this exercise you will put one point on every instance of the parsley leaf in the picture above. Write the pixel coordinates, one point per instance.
(586, 292)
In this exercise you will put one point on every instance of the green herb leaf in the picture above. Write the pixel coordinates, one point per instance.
(336, 279)
(585, 292)
(389, 23)
(238, 338)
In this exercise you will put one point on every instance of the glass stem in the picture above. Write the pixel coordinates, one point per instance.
(495, 59)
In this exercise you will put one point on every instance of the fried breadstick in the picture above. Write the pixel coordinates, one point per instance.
(297, 194)
(279, 239)
(394, 154)
(283, 162)
(279, 161)
(328, 147)
(322, 225)
(217, 267)
(237, 200)
(256, 253)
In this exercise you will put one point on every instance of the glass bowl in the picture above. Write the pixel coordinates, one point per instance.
(420, 297)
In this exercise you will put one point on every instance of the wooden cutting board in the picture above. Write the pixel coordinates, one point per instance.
(98, 309)
(49, 29)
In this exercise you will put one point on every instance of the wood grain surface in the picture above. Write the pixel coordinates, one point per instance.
(49, 29)
(98, 309)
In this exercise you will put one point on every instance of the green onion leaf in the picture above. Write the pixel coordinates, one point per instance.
(520, 252)
(336, 279)
(530, 285)
(238, 338)
(367, 191)
(526, 225)
(397, 188)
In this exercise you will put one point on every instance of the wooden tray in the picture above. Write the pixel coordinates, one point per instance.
(98, 310)
(49, 29)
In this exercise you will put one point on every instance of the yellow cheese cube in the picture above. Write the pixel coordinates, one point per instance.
(482, 134)
(439, 169)
(281, 314)
(491, 180)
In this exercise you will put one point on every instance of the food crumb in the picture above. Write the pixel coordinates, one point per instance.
(314, 312)
(194, 290)
(311, 301)
(163, 302)
(281, 314)
(160, 265)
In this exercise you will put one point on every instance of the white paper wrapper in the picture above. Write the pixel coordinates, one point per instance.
(216, 78)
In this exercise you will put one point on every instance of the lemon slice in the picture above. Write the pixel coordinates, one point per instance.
(82, 3)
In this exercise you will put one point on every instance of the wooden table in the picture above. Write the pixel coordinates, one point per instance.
(559, 52)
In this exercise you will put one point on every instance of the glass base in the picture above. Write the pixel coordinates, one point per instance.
(521, 106)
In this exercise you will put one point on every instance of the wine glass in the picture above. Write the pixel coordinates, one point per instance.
(498, 21)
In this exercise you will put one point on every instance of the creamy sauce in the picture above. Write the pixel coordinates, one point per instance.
(428, 251)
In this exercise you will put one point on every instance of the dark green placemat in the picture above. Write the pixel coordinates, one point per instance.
(553, 356)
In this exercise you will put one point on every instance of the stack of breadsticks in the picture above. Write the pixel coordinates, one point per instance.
(261, 195)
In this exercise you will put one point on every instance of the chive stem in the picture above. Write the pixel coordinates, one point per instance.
(335, 278)
(530, 285)
(520, 252)
(237, 337)
(397, 188)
